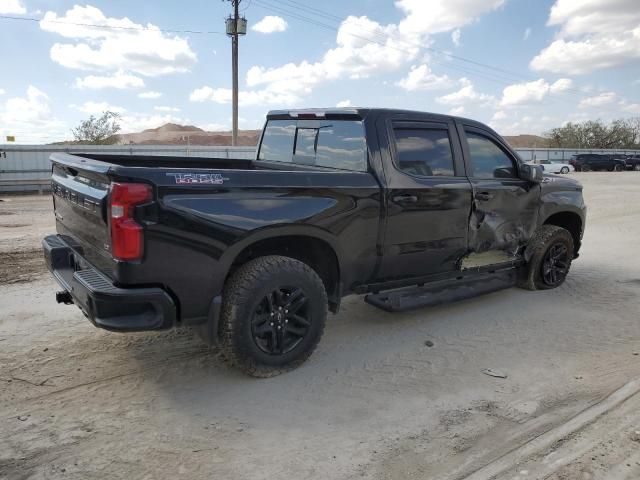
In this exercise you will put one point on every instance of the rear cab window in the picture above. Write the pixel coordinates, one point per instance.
(326, 143)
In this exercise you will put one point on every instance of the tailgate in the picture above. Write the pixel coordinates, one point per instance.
(80, 188)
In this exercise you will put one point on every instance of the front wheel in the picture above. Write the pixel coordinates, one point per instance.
(618, 168)
(636, 167)
(550, 252)
(564, 170)
(273, 314)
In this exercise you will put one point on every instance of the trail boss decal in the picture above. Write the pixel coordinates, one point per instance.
(198, 178)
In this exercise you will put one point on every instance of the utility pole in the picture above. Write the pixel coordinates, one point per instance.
(235, 26)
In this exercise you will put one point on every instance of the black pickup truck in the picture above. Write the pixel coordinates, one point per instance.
(410, 208)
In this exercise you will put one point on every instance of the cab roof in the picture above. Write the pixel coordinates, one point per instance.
(362, 113)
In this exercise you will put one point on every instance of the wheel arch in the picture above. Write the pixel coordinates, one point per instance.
(570, 221)
(314, 247)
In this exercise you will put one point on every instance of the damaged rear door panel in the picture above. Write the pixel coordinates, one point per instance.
(428, 198)
(504, 208)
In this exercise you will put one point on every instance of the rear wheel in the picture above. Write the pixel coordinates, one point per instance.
(636, 167)
(586, 168)
(550, 252)
(564, 170)
(273, 315)
(617, 167)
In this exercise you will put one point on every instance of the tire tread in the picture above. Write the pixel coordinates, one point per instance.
(238, 291)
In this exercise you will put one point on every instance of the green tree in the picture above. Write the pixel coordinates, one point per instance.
(101, 130)
(619, 134)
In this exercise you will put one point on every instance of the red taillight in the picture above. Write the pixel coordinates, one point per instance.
(127, 242)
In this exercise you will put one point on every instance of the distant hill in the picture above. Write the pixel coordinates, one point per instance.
(173, 134)
(527, 141)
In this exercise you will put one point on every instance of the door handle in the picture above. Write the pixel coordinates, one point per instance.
(484, 196)
(405, 199)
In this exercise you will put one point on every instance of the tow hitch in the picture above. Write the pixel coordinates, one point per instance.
(64, 297)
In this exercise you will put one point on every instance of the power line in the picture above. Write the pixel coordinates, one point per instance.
(497, 75)
(313, 10)
(110, 27)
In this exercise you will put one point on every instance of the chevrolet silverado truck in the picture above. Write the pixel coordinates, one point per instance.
(412, 209)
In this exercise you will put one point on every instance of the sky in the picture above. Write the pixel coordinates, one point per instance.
(520, 66)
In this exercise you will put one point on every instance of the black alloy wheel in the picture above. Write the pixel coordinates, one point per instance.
(555, 264)
(273, 314)
(281, 320)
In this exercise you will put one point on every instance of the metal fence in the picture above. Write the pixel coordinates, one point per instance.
(560, 154)
(25, 168)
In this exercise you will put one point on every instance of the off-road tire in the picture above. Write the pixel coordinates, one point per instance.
(544, 238)
(244, 291)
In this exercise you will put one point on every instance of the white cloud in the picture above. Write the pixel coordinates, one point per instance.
(12, 7)
(355, 56)
(96, 108)
(34, 108)
(532, 92)
(594, 34)
(527, 33)
(270, 24)
(343, 104)
(437, 16)
(420, 77)
(2, 91)
(598, 100)
(561, 85)
(455, 37)
(119, 80)
(30, 118)
(150, 94)
(457, 111)
(246, 97)
(126, 45)
(166, 109)
(499, 115)
(633, 108)
(515, 123)
(466, 94)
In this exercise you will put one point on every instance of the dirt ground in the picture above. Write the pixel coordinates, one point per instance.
(385, 396)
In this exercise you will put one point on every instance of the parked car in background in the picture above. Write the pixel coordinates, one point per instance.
(632, 161)
(585, 162)
(554, 167)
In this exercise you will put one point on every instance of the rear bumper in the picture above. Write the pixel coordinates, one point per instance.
(106, 305)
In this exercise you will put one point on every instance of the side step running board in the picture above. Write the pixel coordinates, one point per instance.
(444, 291)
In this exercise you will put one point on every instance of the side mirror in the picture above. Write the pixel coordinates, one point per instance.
(531, 173)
